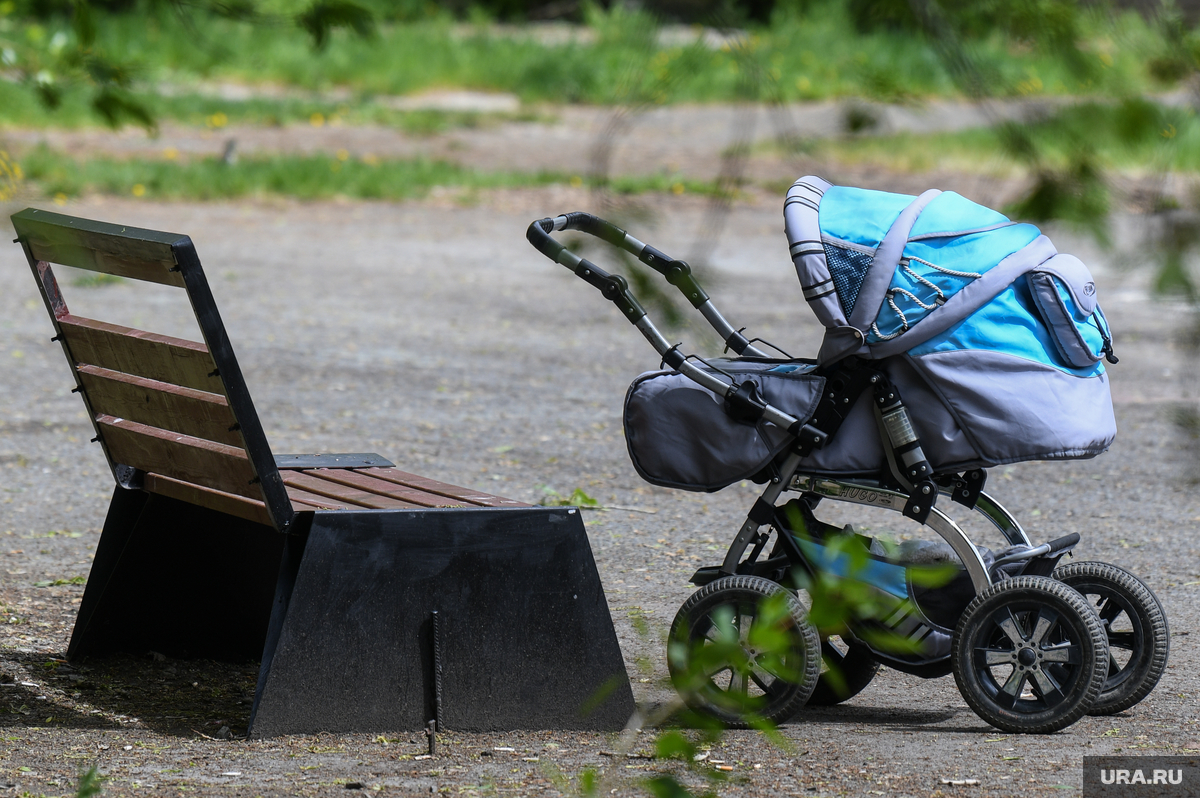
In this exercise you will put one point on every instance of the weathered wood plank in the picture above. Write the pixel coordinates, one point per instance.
(342, 493)
(160, 404)
(143, 354)
(303, 500)
(99, 246)
(96, 261)
(182, 457)
(357, 479)
(441, 488)
(238, 506)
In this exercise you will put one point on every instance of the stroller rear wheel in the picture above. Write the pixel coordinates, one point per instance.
(1030, 655)
(1136, 627)
(847, 669)
(741, 650)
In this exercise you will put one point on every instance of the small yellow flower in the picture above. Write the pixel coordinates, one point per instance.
(343, 155)
(576, 181)
(170, 153)
(317, 119)
(678, 189)
(60, 199)
(217, 120)
(370, 160)
(139, 190)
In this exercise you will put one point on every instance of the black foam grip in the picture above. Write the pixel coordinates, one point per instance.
(538, 234)
(1065, 542)
(595, 226)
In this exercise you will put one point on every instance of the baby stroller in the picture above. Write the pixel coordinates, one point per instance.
(955, 340)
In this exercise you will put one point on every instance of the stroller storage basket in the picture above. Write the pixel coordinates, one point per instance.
(681, 435)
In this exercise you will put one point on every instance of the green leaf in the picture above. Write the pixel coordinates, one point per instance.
(116, 107)
(667, 787)
(84, 23)
(589, 781)
(91, 783)
(324, 15)
(673, 745)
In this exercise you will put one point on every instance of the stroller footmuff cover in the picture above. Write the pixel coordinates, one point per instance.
(994, 339)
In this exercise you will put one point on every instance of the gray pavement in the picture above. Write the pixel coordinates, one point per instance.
(433, 334)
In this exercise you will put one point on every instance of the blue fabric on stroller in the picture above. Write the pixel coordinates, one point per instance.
(994, 339)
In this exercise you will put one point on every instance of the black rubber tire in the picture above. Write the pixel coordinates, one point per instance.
(761, 685)
(857, 668)
(1035, 630)
(1114, 592)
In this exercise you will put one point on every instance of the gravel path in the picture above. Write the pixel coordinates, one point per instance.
(433, 334)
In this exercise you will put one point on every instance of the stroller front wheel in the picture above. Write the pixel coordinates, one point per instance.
(1030, 655)
(1135, 625)
(741, 650)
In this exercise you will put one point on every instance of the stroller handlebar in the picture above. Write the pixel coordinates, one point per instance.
(677, 272)
(614, 287)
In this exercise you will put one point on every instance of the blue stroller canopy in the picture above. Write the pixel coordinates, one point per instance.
(993, 338)
(887, 273)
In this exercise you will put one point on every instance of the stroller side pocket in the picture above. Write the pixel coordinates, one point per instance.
(680, 436)
(1065, 297)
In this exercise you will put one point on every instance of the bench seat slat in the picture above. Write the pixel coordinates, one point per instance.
(441, 488)
(303, 500)
(160, 404)
(342, 493)
(238, 506)
(358, 479)
(182, 457)
(142, 354)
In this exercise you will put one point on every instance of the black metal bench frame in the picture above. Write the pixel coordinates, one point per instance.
(376, 600)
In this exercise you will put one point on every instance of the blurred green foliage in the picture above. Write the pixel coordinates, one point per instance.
(115, 54)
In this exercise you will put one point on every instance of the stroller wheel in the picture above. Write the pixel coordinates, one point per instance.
(1136, 627)
(1030, 655)
(847, 668)
(741, 650)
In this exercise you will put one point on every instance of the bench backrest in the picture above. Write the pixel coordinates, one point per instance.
(174, 416)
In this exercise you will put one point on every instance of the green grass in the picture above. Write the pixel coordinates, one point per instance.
(1133, 136)
(810, 57)
(314, 177)
(19, 108)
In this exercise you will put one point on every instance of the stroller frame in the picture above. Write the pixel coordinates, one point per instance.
(1018, 579)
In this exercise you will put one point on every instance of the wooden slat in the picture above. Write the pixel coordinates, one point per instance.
(116, 265)
(160, 404)
(303, 500)
(237, 506)
(342, 493)
(441, 488)
(188, 459)
(99, 246)
(357, 479)
(143, 354)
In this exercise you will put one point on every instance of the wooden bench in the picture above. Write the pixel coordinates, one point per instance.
(376, 599)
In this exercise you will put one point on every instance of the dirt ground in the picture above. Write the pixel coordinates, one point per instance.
(432, 333)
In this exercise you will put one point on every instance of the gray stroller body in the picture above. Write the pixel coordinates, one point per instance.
(955, 340)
